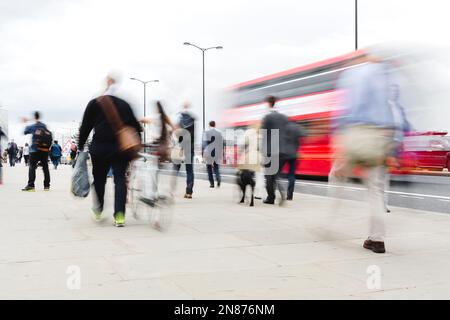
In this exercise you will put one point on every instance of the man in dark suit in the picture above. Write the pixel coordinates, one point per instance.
(274, 149)
(212, 149)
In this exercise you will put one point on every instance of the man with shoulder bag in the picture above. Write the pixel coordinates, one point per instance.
(365, 134)
(116, 141)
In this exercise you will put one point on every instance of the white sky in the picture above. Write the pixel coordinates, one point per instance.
(55, 53)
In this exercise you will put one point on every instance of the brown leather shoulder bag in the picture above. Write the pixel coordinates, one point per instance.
(128, 140)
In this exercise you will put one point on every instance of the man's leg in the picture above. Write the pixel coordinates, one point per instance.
(217, 173)
(209, 169)
(44, 161)
(34, 159)
(100, 168)
(292, 163)
(375, 184)
(120, 187)
(270, 187)
(189, 178)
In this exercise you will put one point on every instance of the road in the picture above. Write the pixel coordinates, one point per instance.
(422, 192)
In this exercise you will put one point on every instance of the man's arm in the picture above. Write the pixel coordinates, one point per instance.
(28, 130)
(87, 124)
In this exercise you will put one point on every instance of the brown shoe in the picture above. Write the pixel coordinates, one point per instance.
(375, 246)
(188, 196)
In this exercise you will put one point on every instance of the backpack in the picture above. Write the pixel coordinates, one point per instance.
(43, 139)
(187, 121)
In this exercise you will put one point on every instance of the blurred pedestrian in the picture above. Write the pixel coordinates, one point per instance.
(55, 154)
(41, 141)
(73, 153)
(19, 155)
(186, 122)
(160, 130)
(212, 150)
(401, 126)
(12, 153)
(103, 115)
(26, 154)
(365, 134)
(275, 125)
(2, 135)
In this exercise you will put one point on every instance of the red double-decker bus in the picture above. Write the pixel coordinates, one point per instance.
(308, 95)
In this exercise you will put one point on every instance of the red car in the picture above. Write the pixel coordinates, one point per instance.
(426, 151)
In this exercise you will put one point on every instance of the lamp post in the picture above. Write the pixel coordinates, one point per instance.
(356, 24)
(203, 50)
(145, 91)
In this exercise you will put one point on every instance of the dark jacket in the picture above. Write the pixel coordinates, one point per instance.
(210, 136)
(292, 139)
(12, 149)
(104, 139)
(31, 129)
(274, 120)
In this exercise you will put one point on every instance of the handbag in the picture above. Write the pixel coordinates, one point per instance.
(128, 140)
(366, 146)
(176, 152)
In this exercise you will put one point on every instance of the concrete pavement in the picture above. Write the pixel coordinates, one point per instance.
(215, 249)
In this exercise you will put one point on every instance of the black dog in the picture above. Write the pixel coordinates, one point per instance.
(246, 178)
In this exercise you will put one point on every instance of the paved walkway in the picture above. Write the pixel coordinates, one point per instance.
(216, 249)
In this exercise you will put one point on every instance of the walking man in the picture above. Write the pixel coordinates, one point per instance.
(41, 141)
(366, 135)
(273, 149)
(212, 149)
(186, 123)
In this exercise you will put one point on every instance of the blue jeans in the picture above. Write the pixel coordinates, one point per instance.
(189, 175)
(209, 168)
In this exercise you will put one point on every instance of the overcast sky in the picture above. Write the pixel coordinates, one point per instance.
(54, 54)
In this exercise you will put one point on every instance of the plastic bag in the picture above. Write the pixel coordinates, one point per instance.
(80, 177)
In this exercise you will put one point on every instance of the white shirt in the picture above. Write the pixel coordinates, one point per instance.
(26, 151)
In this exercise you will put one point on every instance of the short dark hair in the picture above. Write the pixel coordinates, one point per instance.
(271, 100)
(212, 123)
(56, 141)
(37, 115)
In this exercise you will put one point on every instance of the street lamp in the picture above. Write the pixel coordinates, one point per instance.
(356, 24)
(145, 87)
(203, 59)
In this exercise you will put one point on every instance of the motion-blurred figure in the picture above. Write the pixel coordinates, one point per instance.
(19, 155)
(273, 149)
(26, 154)
(365, 135)
(212, 149)
(104, 150)
(2, 135)
(12, 153)
(401, 127)
(186, 122)
(160, 131)
(73, 153)
(55, 154)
